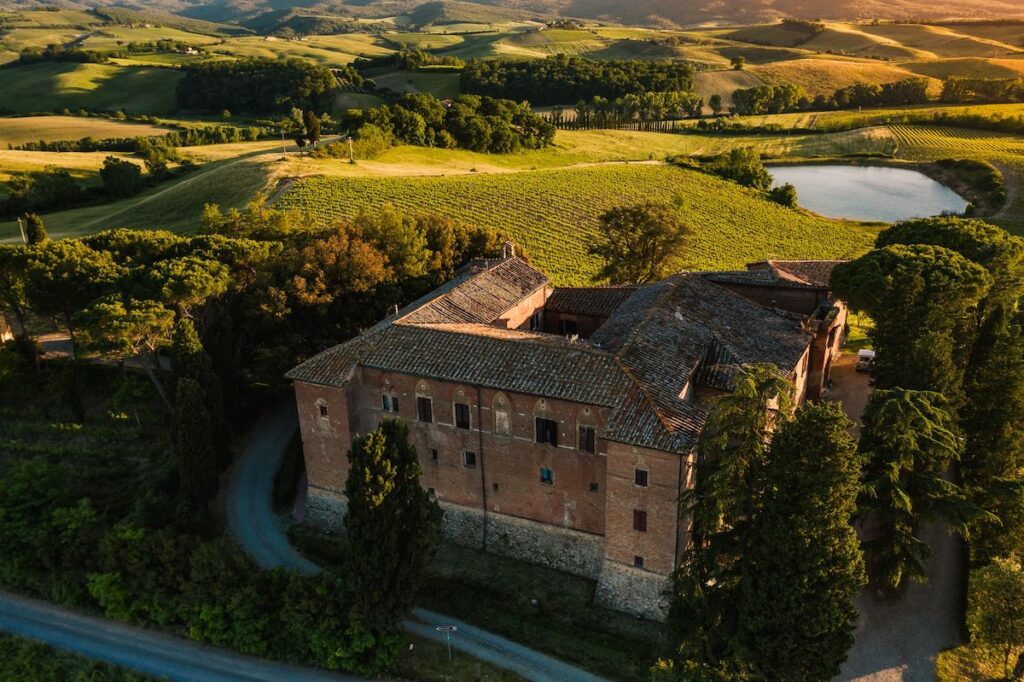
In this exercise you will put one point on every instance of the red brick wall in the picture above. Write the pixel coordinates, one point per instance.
(665, 474)
(519, 316)
(325, 440)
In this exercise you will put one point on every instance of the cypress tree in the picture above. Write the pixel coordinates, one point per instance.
(193, 448)
(35, 231)
(193, 362)
(393, 527)
(802, 567)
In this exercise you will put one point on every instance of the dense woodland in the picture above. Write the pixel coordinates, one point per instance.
(256, 86)
(780, 99)
(481, 124)
(563, 80)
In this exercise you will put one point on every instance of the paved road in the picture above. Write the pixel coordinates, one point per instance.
(142, 650)
(262, 534)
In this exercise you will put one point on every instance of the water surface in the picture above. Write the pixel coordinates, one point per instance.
(875, 193)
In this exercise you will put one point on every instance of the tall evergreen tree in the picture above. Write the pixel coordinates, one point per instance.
(193, 362)
(909, 441)
(704, 614)
(393, 527)
(35, 231)
(195, 459)
(802, 566)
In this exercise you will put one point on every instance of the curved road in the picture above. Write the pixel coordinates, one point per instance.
(261, 533)
(142, 650)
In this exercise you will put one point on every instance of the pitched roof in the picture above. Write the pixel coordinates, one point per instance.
(591, 301)
(809, 273)
(659, 340)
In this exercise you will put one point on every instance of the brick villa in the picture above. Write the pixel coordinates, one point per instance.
(559, 425)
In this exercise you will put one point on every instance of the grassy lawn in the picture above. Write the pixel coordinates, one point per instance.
(969, 662)
(50, 86)
(543, 609)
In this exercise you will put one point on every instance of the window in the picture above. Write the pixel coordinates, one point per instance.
(640, 520)
(469, 459)
(431, 493)
(567, 327)
(593, 487)
(385, 402)
(461, 416)
(433, 455)
(495, 486)
(323, 410)
(394, 403)
(502, 427)
(547, 431)
(640, 477)
(547, 476)
(588, 439)
(424, 409)
(638, 561)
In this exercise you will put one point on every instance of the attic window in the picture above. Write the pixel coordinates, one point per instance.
(323, 410)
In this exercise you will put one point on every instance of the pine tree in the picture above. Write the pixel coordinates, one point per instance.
(35, 231)
(802, 566)
(909, 442)
(193, 448)
(393, 527)
(706, 592)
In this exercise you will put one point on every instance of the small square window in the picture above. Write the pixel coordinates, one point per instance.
(495, 486)
(593, 487)
(461, 416)
(385, 402)
(469, 459)
(424, 409)
(640, 520)
(547, 476)
(431, 493)
(640, 478)
(588, 439)
(638, 561)
(323, 410)
(547, 431)
(433, 455)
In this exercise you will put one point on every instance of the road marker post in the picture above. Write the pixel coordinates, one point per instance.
(448, 630)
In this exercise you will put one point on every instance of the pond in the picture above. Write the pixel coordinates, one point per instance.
(874, 193)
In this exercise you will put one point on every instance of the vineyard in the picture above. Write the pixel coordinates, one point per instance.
(554, 214)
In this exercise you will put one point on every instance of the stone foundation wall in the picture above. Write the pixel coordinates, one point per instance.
(325, 509)
(633, 590)
(538, 543)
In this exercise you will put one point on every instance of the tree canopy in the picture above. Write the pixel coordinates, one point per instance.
(640, 243)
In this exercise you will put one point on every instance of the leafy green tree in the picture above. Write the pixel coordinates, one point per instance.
(924, 302)
(71, 388)
(707, 587)
(399, 237)
(121, 178)
(311, 123)
(715, 102)
(738, 63)
(192, 361)
(995, 606)
(193, 442)
(909, 441)
(35, 231)
(743, 165)
(640, 243)
(13, 262)
(128, 330)
(802, 566)
(784, 195)
(65, 276)
(393, 527)
(186, 282)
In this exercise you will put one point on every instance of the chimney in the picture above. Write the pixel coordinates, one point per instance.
(508, 250)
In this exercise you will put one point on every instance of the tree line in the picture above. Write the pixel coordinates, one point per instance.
(646, 111)
(186, 137)
(962, 90)
(562, 79)
(481, 124)
(256, 85)
(409, 59)
(779, 99)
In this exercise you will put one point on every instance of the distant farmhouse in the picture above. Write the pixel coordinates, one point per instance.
(559, 425)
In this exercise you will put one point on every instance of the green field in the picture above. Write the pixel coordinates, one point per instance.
(553, 214)
(49, 128)
(50, 86)
(336, 50)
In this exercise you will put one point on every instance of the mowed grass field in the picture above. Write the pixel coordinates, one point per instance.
(554, 213)
(52, 86)
(15, 131)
